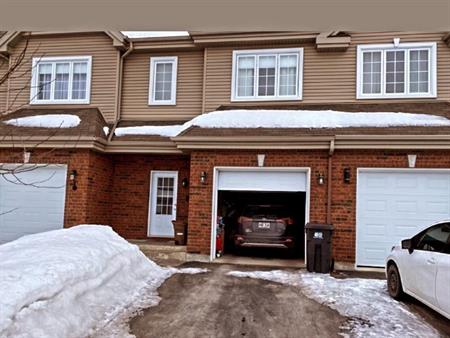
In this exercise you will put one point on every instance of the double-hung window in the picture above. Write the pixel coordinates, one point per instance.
(163, 81)
(406, 70)
(269, 74)
(61, 80)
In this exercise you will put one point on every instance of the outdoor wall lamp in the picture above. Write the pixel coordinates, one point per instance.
(184, 182)
(203, 177)
(320, 178)
(73, 179)
(347, 175)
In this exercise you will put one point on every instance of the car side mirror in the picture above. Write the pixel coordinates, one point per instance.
(407, 244)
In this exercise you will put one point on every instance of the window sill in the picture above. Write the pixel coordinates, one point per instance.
(274, 99)
(394, 96)
(152, 104)
(62, 102)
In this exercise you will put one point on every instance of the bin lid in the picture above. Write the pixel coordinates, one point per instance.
(319, 226)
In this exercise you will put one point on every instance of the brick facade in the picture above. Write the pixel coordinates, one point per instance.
(131, 186)
(114, 189)
(343, 206)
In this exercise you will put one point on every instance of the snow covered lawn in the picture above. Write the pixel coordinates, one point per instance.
(371, 311)
(76, 282)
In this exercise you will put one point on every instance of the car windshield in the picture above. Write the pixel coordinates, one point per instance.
(269, 211)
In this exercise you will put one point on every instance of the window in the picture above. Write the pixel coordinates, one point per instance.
(63, 80)
(402, 71)
(163, 80)
(165, 194)
(270, 74)
(436, 239)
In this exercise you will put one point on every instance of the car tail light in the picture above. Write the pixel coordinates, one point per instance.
(286, 221)
(246, 223)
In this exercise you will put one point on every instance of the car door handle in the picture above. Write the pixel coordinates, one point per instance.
(431, 261)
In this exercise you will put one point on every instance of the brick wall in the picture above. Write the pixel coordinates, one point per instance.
(199, 231)
(343, 204)
(131, 186)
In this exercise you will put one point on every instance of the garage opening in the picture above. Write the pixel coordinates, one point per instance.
(261, 213)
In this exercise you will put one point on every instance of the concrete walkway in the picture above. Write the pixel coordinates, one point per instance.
(216, 305)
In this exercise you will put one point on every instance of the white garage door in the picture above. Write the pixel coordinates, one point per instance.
(36, 206)
(394, 205)
(262, 180)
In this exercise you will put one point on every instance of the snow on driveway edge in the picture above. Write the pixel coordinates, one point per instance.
(76, 282)
(372, 312)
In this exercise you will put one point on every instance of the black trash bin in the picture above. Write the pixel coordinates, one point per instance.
(318, 247)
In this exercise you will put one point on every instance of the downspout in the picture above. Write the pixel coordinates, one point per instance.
(119, 89)
(329, 181)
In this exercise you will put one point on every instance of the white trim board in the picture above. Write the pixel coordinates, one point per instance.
(152, 78)
(53, 61)
(432, 70)
(215, 193)
(267, 52)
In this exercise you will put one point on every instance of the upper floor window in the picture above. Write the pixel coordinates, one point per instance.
(407, 70)
(269, 74)
(163, 80)
(64, 80)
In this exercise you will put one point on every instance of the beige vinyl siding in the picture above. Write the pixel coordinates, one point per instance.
(136, 88)
(3, 86)
(328, 77)
(104, 63)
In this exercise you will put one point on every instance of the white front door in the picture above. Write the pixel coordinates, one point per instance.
(396, 204)
(163, 203)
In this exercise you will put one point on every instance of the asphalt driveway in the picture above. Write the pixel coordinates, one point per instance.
(216, 305)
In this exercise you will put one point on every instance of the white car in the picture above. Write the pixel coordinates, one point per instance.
(421, 268)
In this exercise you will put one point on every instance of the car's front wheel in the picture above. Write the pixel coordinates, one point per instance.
(394, 282)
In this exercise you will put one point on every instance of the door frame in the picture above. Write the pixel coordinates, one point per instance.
(382, 170)
(215, 195)
(151, 205)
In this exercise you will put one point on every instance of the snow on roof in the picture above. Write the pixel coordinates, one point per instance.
(46, 121)
(154, 34)
(165, 131)
(87, 274)
(311, 119)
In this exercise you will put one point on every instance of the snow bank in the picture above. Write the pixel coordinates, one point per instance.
(372, 312)
(46, 121)
(311, 119)
(76, 282)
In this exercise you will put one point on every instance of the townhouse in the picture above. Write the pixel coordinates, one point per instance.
(173, 132)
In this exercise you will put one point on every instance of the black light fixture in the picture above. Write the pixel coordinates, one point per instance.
(203, 177)
(184, 182)
(320, 178)
(73, 179)
(347, 175)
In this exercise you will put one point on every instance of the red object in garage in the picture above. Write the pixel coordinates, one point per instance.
(220, 237)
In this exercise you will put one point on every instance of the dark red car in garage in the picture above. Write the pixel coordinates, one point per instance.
(265, 226)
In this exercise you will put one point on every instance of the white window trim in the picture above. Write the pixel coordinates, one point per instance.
(151, 93)
(432, 74)
(34, 80)
(256, 53)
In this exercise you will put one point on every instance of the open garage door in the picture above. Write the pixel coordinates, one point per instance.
(261, 211)
(32, 201)
(395, 204)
